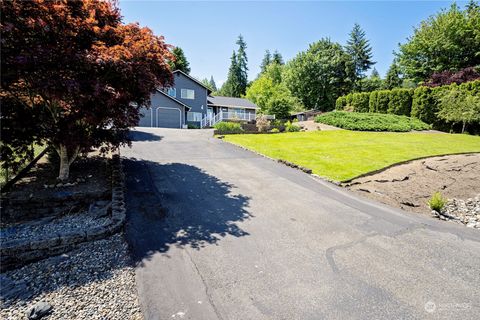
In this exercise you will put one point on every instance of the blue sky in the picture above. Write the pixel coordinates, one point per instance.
(207, 30)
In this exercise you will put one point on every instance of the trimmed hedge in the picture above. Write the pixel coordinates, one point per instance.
(421, 103)
(400, 102)
(228, 128)
(371, 121)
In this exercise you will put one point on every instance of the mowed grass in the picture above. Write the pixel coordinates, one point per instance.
(342, 155)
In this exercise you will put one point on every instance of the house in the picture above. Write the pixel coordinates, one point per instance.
(189, 101)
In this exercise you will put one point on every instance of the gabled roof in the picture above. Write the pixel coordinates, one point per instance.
(231, 102)
(172, 98)
(194, 80)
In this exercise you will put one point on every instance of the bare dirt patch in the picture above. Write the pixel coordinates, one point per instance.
(409, 186)
(311, 125)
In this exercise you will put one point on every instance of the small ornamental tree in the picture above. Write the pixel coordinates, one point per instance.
(75, 75)
(459, 106)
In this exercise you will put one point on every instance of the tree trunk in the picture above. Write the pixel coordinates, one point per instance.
(65, 161)
(463, 127)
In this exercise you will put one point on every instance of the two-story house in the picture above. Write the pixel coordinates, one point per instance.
(189, 101)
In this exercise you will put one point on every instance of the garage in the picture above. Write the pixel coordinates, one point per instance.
(168, 117)
(165, 112)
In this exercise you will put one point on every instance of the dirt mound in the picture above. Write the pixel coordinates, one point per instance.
(409, 186)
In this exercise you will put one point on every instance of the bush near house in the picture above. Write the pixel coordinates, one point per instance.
(371, 121)
(423, 103)
(228, 128)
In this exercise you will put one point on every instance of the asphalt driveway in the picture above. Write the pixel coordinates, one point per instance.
(221, 233)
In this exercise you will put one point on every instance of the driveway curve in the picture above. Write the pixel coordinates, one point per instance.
(218, 232)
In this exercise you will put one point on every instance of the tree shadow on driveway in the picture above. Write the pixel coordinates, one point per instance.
(178, 205)
(139, 136)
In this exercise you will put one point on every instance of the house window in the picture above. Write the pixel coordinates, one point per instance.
(188, 94)
(172, 92)
(194, 116)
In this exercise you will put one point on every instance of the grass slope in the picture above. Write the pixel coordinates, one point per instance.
(342, 155)
(371, 121)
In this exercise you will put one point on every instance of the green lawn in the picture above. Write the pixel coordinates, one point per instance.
(342, 155)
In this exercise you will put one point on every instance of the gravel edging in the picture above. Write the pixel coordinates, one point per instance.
(465, 212)
(17, 252)
(96, 280)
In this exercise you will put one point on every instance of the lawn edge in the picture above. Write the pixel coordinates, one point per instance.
(341, 182)
(285, 163)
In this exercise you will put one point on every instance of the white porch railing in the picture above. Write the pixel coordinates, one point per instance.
(210, 121)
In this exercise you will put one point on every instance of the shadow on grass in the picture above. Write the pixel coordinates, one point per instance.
(178, 205)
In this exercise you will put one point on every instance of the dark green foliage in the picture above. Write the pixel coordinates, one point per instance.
(236, 84)
(360, 51)
(267, 59)
(231, 87)
(371, 121)
(372, 103)
(360, 102)
(319, 75)
(400, 101)
(393, 78)
(280, 106)
(383, 97)
(277, 58)
(213, 85)
(242, 65)
(449, 40)
(180, 62)
(228, 128)
(424, 105)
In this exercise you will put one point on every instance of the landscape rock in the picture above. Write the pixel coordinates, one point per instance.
(39, 310)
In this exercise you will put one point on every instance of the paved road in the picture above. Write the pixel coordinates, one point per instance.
(221, 233)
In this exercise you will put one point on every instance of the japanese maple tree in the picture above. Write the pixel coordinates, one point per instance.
(75, 75)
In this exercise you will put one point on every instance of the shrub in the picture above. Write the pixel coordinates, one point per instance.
(437, 202)
(424, 105)
(290, 127)
(372, 102)
(275, 130)
(459, 106)
(340, 103)
(228, 127)
(449, 77)
(193, 126)
(360, 102)
(400, 101)
(383, 96)
(262, 123)
(371, 121)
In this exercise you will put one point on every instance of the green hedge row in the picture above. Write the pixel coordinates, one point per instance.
(421, 103)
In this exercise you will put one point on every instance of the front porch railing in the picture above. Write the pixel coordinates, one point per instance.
(210, 121)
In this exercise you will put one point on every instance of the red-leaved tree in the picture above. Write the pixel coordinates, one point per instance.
(449, 77)
(75, 75)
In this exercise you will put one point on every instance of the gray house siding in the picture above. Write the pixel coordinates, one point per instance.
(163, 112)
(199, 103)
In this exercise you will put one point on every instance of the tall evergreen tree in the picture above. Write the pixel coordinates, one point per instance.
(231, 87)
(358, 47)
(242, 61)
(267, 58)
(180, 62)
(375, 73)
(277, 58)
(213, 85)
(393, 78)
